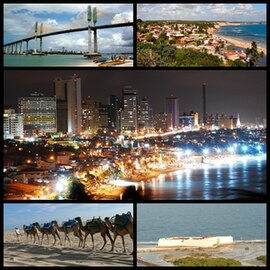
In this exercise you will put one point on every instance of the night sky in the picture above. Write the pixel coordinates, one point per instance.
(228, 92)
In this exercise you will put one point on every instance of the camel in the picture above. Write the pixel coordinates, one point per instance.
(31, 230)
(47, 229)
(92, 228)
(120, 225)
(68, 227)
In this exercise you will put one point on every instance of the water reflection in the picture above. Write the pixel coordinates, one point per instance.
(245, 179)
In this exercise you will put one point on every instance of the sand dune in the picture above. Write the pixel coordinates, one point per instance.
(25, 253)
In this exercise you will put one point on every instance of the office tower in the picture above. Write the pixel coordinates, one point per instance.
(130, 108)
(204, 104)
(172, 108)
(238, 123)
(68, 99)
(13, 124)
(115, 108)
(162, 121)
(189, 120)
(226, 122)
(103, 110)
(90, 115)
(39, 114)
(144, 114)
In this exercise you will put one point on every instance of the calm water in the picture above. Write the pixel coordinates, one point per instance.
(48, 60)
(245, 179)
(242, 221)
(252, 32)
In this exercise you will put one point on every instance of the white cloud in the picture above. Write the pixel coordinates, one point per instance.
(123, 17)
(228, 12)
(51, 21)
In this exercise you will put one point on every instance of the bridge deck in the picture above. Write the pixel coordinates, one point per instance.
(93, 28)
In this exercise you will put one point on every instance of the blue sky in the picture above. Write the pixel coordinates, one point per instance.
(18, 214)
(19, 21)
(213, 12)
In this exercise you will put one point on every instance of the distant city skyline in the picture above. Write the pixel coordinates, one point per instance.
(19, 214)
(20, 19)
(207, 11)
(228, 92)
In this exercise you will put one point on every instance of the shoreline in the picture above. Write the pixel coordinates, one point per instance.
(238, 42)
(209, 161)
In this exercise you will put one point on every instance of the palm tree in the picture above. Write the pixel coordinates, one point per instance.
(254, 54)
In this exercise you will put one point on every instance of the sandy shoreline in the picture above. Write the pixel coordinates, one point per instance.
(25, 253)
(127, 63)
(233, 41)
(245, 252)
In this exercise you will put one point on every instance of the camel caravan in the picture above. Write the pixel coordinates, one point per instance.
(119, 225)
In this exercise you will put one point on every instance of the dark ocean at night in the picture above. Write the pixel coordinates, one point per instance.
(244, 179)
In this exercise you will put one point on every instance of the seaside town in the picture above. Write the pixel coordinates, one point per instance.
(195, 37)
(55, 148)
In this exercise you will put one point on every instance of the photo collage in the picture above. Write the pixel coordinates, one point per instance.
(147, 118)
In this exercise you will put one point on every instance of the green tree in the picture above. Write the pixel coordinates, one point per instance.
(198, 42)
(236, 63)
(193, 58)
(148, 58)
(217, 49)
(76, 190)
(254, 54)
(150, 38)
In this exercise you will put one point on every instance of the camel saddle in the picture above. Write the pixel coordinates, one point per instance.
(70, 223)
(29, 228)
(47, 225)
(95, 222)
(122, 220)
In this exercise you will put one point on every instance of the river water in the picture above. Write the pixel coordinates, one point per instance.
(244, 179)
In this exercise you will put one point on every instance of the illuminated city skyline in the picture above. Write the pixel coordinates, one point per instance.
(228, 92)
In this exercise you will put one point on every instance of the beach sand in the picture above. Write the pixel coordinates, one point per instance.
(230, 40)
(240, 43)
(127, 63)
(25, 253)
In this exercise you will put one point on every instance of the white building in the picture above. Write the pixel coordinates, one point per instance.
(13, 124)
(39, 114)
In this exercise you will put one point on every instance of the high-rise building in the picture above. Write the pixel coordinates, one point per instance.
(172, 108)
(145, 114)
(204, 104)
(103, 116)
(162, 121)
(90, 115)
(68, 98)
(238, 123)
(39, 114)
(13, 124)
(189, 120)
(227, 122)
(130, 109)
(115, 108)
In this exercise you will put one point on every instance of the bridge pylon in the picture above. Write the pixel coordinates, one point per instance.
(92, 54)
